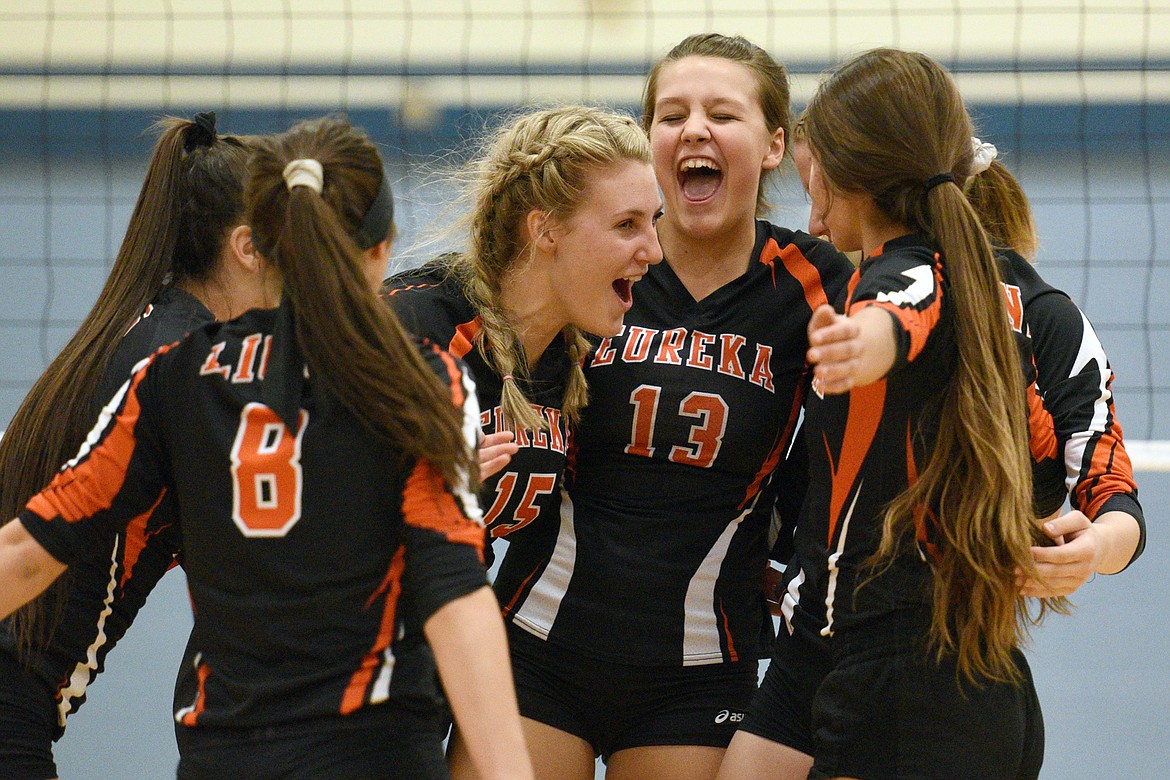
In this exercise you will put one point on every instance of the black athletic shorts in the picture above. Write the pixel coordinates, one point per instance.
(28, 723)
(890, 710)
(616, 706)
(781, 711)
(380, 742)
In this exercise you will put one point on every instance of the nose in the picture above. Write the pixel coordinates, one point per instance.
(695, 127)
(816, 221)
(651, 251)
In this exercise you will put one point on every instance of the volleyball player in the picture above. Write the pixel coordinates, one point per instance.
(321, 471)
(639, 640)
(562, 225)
(178, 268)
(904, 615)
(1078, 451)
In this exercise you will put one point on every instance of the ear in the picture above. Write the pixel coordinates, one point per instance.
(241, 249)
(380, 252)
(541, 228)
(775, 154)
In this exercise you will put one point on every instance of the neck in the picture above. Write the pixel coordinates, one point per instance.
(527, 300)
(229, 298)
(877, 231)
(704, 264)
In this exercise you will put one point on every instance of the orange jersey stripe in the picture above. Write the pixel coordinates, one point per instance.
(1041, 430)
(136, 538)
(1110, 470)
(426, 503)
(865, 413)
(732, 654)
(464, 339)
(355, 693)
(81, 491)
(778, 448)
(191, 718)
(454, 375)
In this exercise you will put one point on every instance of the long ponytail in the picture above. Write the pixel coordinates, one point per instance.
(352, 342)
(192, 194)
(887, 123)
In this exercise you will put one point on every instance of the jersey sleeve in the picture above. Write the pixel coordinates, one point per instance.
(425, 301)
(833, 266)
(910, 287)
(444, 531)
(118, 475)
(1075, 380)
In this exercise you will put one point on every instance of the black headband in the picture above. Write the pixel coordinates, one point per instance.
(375, 226)
(379, 217)
(937, 179)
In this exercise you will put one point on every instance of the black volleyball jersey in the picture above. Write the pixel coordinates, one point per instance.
(1076, 441)
(661, 543)
(865, 447)
(314, 551)
(520, 501)
(110, 580)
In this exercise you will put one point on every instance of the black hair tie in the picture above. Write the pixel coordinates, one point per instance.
(937, 179)
(201, 132)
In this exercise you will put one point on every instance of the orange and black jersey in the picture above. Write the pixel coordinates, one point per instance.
(115, 572)
(314, 550)
(1076, 441)
(866, 446)
(661, 544)
(521, 501)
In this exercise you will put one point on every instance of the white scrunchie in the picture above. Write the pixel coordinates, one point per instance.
(304, 173)
(984, 154)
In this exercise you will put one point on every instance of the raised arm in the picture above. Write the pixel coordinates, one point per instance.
(850, 351)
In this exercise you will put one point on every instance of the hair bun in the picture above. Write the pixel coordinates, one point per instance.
(201, 132)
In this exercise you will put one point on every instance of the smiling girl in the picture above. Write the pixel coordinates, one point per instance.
(638, 639)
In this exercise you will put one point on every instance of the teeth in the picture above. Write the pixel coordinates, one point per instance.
(693, 163)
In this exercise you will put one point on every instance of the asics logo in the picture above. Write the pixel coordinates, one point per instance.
(727, 715)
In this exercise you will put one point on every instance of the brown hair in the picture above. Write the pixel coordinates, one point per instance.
(1003, 208)
(883, 124)
(191, 198)
(543, 160)
(352, 342)
(771, 78)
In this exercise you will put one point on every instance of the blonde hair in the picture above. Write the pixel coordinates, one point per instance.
(544, 160)
(1003, 208)
(884, 124)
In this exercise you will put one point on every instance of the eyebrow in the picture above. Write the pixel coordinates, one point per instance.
(636, 212)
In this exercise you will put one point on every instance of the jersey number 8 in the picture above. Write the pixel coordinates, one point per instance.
(266, 472)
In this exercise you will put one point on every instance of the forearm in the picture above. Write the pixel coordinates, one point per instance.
(471, 651)
(26, 568)
(1119, 532)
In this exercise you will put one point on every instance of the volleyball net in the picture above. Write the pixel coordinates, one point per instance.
(1076, 97)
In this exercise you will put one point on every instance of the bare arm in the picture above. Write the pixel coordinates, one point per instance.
(471, 651)
(26, 568)
(850, 351)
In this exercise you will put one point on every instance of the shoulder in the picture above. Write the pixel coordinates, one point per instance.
(801, 253)
(450, 370)
(429, 301)
(168, 319)
(1018, 272)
